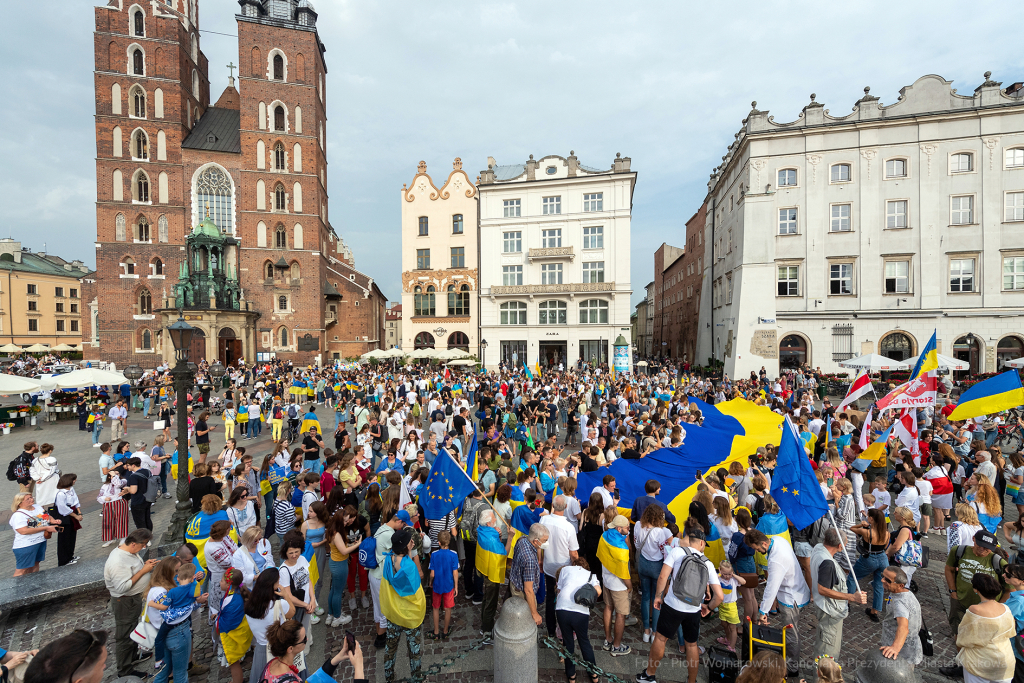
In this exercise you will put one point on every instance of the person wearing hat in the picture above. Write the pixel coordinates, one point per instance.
(617, 592)
(402, 544)
(399, 521)
(962, 564)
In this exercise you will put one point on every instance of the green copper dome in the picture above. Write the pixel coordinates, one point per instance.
(208, 228)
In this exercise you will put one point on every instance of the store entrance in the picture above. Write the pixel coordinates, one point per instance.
(552, 353)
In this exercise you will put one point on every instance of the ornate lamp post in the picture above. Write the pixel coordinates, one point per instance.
(134, 373)
(483, 352)
(181, 337)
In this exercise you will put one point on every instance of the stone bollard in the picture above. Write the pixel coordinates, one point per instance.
(875, 668)
(515, 644)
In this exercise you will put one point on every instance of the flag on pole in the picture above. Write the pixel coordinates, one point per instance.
(991, 396)
(906, 430)
(865, 432)
(928, 361)
(861, 387)
(794, 485)
(872, 452)
(528, 373)
(445, 489)
(472, 467)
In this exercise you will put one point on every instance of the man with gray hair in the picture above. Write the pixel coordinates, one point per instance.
(828, 590)
(985, 466)
(525, 571)
(563, 548)
(902, 619)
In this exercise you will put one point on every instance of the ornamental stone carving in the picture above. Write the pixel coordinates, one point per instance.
(929, 150)
(439, 278)
(814, 160)
(991, 144)
(868, 155)
(554, 289)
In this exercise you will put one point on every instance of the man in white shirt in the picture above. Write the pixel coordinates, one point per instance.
(675, 613)
(607, 491)
(562, 549)
(786, 584)
(816, 423)
(909, 497)
(985, 466)
(118, 420)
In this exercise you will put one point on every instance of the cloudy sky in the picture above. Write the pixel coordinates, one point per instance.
(665, 83)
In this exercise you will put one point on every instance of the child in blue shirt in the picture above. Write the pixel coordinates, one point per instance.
(177, 605)
(444, 581)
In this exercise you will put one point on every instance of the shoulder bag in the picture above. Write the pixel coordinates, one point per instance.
(586, 595)
(145, 632)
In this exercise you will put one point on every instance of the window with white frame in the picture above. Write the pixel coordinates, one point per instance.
(1015, 206)
(593, 271)
(896, 214)
(728, 286)
(1015, 157)
(840, 218)
(512, 208)
(961, 275)
(840, 173)
(787, 177)
(551, 205)
(787, 221)
(1013, 273)
(512, 242)
(961, 163)
(896, 168)
(511, 275)
(897, 277)
(961, 210)
(551, 238)
(551, 274)
(593, 238)
(593, 201)
(513, 313)
(593, 312)
(552, 313)
(789, 281)
(840, 278)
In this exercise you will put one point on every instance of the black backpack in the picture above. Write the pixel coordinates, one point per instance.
(10, 470)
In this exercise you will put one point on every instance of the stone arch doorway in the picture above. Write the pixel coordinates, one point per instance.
(793, 351)
(897, 346)
(1009, 347)
(197, 351)
(969, 349)
(229, 348)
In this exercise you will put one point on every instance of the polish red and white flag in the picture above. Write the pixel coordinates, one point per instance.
(861, 387)
(906, 429)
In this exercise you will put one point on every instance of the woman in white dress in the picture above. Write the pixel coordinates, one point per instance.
(45, 474)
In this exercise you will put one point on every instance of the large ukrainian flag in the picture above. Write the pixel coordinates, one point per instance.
(401, 593)
(517, 498)
(490, 554)
(928, 361)
(522, 519)
(994, 395)
(613, 552)
(198, 532)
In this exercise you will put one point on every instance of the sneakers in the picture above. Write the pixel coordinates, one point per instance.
(644, 677)
(607, 647)
(621, 650)
(329, 621)
(167, 495)
(352, 603)
(109, 543)
(647, 636)
(314, 619)
(477, 601)
(488, 638)
(631, 620)
(95, 445)
(318, 611)
(73, 561)
(343, 619)
(366, 602)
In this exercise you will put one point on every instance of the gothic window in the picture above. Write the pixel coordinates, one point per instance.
(283, 336)
(280, 201)
(195, 49)
(279, 117)
(195, 85)
(269, 270)
(138, 99)
(145, 303)
(140, 146)
(278, 68)
(120, 228)
(295, 272)
(138, 63)
(279, 157)
(213, 191)
(140, 189)
(139, 23)
(282, 303)
(157, 267)
(147, 340)
(142, 230)
(280, 238)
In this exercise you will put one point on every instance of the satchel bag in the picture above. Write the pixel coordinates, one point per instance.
(586, 595)
(145, 632)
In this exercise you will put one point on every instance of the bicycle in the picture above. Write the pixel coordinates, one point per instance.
(1011, 434)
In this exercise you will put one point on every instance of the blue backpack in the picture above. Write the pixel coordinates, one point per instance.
(368, 553)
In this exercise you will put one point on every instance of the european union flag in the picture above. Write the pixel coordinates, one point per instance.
(446, 488)
(794, 485)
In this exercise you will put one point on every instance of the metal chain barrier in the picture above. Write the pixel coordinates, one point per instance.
(436, 668)
(553, 644)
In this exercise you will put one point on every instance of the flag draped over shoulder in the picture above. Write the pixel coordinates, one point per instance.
(310, 420)
(517, 498)
(613, 552)
(490, 554)
(794, 485)
(401, 594)
(714, 549)
(772, 526)
(446, 487)
(198, 532)
(994, 395)
(522, 519)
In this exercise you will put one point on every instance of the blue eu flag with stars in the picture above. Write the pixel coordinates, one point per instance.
(446, 488)
(794, 485)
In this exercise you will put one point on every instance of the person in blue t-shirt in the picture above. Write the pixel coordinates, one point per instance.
(444, 581)
(177, 605)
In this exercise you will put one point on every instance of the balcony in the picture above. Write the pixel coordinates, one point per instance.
(331, 317)
(569, 288)
(550, 253)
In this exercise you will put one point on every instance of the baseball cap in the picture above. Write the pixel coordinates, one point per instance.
(696, 533)
(401, 538)
(620, 521)
(986, 540)
(404, 516)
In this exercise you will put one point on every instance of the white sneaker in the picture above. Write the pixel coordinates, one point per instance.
(647, 637)
(95, 445)
(366, 602)
(329, 620)
(318, 611)
(109, 543)
(314, 619)
(343, 619)
(351, 603)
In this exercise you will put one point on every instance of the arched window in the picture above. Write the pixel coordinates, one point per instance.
(142, 230)
(458, 340)
(120, 228)
(513, 313)
(195, 49)
(280, 201)
(458, 300)
(163, 232)
(140, 145)
(457, 224)
(140, 188)
(156, 267)
(552, 313)
(280, 238)
(424, 340)
(295, 272)
(213, 192)
(969, 350)
(128, 265)
(138, 100)
(147, 340)
(283, 336)
(279, 118)
(792, 351)
(145, 303)
(139, 24)
(279, 157)
(593, 312)
(268, 269)
(282, 303)
(896, 346)
(195, 85)
(278, 68)
(138, 63)
(1008, 348)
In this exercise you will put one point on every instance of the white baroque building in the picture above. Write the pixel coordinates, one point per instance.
(554, 260)
(831, 237)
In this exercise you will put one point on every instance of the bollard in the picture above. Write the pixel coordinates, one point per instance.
(515, 643)
(875, 668)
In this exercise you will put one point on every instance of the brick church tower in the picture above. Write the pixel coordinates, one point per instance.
(254, 164)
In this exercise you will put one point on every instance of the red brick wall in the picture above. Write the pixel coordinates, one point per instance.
(692, 283)
(677, 297)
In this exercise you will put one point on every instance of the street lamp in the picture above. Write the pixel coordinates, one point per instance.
(217, 371)
(483, 352)
(181, 337)
(134, 373)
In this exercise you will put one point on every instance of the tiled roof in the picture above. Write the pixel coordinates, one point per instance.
(35, 263)
(223, 125)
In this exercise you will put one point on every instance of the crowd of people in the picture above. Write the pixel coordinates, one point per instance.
(351, 452)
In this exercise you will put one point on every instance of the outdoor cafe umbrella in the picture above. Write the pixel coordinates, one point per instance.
(38, 348)
(376, 353)
(1015, 363)
(872, 362)
(464, 361)
(393, 353)
(15, 384)
(451, 354)
(944, 362)
(63, 348)
(87, 377)
(11, 348)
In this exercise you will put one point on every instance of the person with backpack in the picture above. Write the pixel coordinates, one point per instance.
(962, 564)
(786, 584)
(686, 576)
(143, 494)
(18, 469)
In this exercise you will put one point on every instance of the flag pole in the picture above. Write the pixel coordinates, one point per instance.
(466, 474)
(843, 540)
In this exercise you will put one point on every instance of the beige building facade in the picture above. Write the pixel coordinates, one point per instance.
(439, 262)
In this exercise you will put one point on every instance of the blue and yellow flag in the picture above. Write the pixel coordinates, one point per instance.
(794, 485)
(528, 373)
(517, 498)
(309, 420)
(873, 452)
(772, 526)
(928, 360)
(522, 519)
(198, 532)
(613, 552)
(401, 593)
(491, 556)
(714, 548)
(174, 464)
(472, 466)
(446, 488)
(298, 387)
(1002, 392)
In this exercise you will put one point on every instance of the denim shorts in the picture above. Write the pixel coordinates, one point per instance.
(29, 556)
(745, 565)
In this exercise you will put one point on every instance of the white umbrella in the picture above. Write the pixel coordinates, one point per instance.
(872, 362)
(451, 354)
(63, 347)
(465, 361)
(376, 353)
(1015, 363)
(37, 348)
(87, 377)
(642, 363)
(15, 384)
(422, 353)
(944, 362)
(393, 353)
(11, 348)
